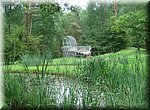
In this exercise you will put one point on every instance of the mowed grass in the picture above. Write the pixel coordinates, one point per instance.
(129, 56)
(50, 69)
(68, 61)
(68, 65)
(130, 52)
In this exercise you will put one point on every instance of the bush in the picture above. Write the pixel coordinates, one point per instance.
(36, 59)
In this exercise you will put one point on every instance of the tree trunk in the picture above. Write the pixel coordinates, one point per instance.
(28, 19)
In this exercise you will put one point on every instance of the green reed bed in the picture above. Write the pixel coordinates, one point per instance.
(17, 92)
(121, 77)
(36, 90)
(117, 80)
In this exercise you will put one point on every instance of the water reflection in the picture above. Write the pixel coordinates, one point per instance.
(67, 91)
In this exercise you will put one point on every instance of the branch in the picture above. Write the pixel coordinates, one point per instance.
(146, 30)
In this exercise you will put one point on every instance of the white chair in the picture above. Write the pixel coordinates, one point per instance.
(70, 48)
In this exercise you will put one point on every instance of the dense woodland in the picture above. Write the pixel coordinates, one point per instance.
(31, 28)
(37, 75)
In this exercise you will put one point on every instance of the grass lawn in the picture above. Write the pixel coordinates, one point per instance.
(68, 65)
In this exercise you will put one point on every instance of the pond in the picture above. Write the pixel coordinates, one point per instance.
(66, 91)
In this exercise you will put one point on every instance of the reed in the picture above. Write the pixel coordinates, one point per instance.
(122, 79)
(117, 80)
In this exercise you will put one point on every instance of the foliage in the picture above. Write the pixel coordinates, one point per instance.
(14, 91)
(132, 25)
(101, 39)
(16, 45)
(45, 25)
(121, 78)
(31, 29)
(34, 33)
(36, 59)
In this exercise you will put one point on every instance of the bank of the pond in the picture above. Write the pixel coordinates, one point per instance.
(120, 77)
(46, 90)
(71, 66)
(65, 70)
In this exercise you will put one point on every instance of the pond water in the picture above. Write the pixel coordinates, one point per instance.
(65, 90)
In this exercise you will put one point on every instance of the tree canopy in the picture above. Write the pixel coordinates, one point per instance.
(34, 27)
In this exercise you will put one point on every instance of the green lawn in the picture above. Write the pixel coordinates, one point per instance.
(69, 65)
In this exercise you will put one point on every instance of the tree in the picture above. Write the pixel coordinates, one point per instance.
(133, 24)
(21, 35)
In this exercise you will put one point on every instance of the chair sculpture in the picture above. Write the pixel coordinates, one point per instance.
(70, 48)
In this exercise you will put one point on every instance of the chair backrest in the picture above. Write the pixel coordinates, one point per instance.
(70, 41)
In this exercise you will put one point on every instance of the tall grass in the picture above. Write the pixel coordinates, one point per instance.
(13, 91)
(36, 59)
(21, 93)
(122, 79)
(117, 80)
